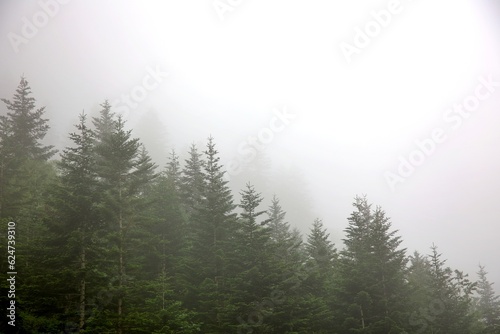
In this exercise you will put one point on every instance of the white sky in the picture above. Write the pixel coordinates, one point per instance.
(353, 120)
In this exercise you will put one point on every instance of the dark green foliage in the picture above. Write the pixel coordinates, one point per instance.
(23, 128)
(78, 219)
(372, 270)
(124, 171)
(22, 155)
(440, 298)
(192, 181)
(107, 245)
(214, 223)
(488, 304)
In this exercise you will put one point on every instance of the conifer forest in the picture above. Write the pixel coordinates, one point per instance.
(104, 240)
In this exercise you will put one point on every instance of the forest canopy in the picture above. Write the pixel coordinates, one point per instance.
(107, 241)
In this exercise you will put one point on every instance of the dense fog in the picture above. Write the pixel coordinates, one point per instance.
(314, 102)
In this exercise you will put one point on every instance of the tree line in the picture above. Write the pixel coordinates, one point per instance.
(108, 242)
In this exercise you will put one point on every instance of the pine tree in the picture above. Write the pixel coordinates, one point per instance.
(21, 133)
(488, 303)
(251, 257)
(319, 248)
(193, 181)
(26, 179)
(214, 225)
(24, 127)
(250, 200)
(317, 286)
(123, 170)
(279, 228)
(173, 171)
(169, 229)
(77, 204)
(447, 306)
(287, 300)
(372, 268)
(420, 292)
(104, 124)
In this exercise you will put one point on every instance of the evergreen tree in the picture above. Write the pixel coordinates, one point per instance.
(316, 287)
(173, 171)
(21, 133)
(169, 228)
(123, 170)
(279, 228)
(252, 268)
(372, 271)
(421, 297)
(447, 302)
(488, 303)
(104, 124)
(319, 248)
(213, 225)
(193, 181)
(77, 206)
(287, 296)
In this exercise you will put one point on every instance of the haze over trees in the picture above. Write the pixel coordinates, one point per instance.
(109, 242)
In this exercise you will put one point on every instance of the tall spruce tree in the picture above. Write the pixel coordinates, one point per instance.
(488, 304)
(319, 248)
(123, 171)
(444, 302)
(173, 171)
(169, 228)
(421, 296)
(317, 286)
(213, 225)
(22, 131)
(105, 123)
(372, 273)
(253, 271)
(287, 297)
(77, 207)
(26, 179)
(193, 181)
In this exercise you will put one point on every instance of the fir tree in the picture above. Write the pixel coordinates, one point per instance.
(173, 171)
(193, 181)
(104, 124)
(372, 287)
(488, 303)
(123, 171)
(213, 225)
(21, 133)
(77, 204)
(449, 309)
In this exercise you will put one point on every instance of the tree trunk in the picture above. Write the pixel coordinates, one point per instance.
(82, 286)
(121, 264)
(362, 317)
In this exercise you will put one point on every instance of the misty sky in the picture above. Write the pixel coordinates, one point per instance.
(316, 101)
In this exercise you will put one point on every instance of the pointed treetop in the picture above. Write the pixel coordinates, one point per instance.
(23, 128)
